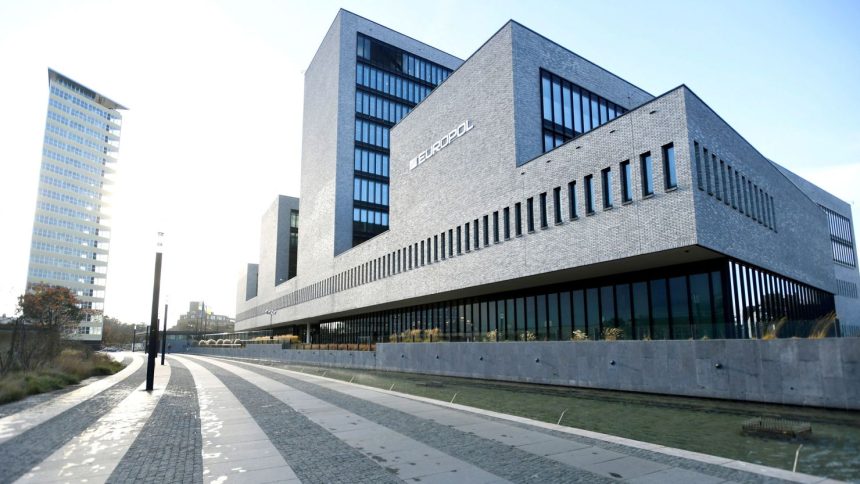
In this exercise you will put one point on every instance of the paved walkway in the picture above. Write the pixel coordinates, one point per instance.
(217, 420)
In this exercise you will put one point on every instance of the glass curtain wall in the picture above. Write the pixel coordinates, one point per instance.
(714, 299)
(389, 83)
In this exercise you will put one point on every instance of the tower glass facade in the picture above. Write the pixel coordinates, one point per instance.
(71, 230)
(389, 82)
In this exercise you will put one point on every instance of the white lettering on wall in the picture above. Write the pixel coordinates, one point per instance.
(449, 138)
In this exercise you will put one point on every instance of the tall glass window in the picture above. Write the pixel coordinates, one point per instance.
(543, 217)
(389, 83)
(556, 204)
(606, 179)
(571, 199)
(647, 171)
(626, 182)
(530, 214)
(569, 110)
(669, 174)
(589, 195)
(518, 219)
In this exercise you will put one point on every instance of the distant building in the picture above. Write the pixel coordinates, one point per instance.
(201, 319)
(71, 230)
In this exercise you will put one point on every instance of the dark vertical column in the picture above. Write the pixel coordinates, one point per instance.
(153, 325)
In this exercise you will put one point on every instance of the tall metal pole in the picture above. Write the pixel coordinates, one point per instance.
(153, 325)
(164, 336)
(133, 338)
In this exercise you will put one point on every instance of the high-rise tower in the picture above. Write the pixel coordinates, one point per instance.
(363, 80)
(71, 230)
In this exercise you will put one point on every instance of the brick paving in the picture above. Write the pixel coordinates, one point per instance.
(171, 449)
(268, 424)
(314, 454)
(23, 452)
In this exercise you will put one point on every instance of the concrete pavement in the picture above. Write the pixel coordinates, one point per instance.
(217, 420)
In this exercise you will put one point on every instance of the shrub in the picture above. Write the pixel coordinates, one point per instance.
(578, 335)
(527, 336)
(492, 336)
(613, 334)
(822, 326)
(772, 329)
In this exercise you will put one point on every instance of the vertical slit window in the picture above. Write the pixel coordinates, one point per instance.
(459, 240)
(530, 214)
(589, 195)
(518, 219)
(467, 237)
(506, 215)
(647, 172)
(543, 217)
(495, 227)
(477, 239)
(571, 200)
(486, 230)
(698, 159)
(669, 170)
(606, 182)
(626, 182)
(556, 205)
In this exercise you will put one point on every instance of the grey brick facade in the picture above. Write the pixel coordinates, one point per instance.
(500, 163)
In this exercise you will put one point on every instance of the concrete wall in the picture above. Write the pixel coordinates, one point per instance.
(820, 373)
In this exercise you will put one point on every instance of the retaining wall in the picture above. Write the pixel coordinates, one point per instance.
(820, 373)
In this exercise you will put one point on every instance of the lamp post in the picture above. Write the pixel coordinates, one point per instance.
(133, 337)
(153, 323)
(271, 313)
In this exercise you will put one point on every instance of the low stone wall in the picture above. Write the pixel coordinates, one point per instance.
(821, 373)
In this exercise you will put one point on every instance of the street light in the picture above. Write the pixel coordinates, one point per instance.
(271, 313)
(133, 337)
(153, 324)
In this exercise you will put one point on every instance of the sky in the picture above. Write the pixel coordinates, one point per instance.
(214, 91)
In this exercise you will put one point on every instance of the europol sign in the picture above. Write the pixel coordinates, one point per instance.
(449, 138)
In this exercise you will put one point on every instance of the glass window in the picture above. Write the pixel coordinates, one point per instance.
(659, 309)
(496, 227)
(604, 113)
(680, 308)
(530, 323)
(477, 235)
(467, 237)
(556, 101)
(565, 315)
(647, 172)
(506, 215)
(589, 195)
(607, 307)
(556, 204)
(568, 118)
(592, 311)
(586, 114)
(577, 111)
(606, 178)
(542, 326)
(595, 117)
(700, 300)
(623, 316)
(552, 321)
(486, 230)
(459, 240)
(669, 173)
(530, 216)
(578, 303)
(543, 216)
(518, 219)
(546, 91)
(641, 311)
(626, 182)
(571, 199)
